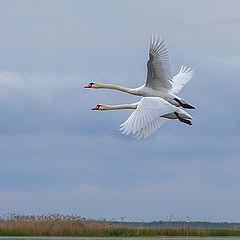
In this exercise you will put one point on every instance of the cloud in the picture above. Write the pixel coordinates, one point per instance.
(58, 155)
(41, 102)
(154, 202)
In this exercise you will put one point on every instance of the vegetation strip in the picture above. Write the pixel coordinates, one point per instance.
(62, 225)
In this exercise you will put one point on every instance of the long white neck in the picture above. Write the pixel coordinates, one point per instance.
(117, 107)
(119, 88)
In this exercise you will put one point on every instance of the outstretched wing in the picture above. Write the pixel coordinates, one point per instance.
(146, 119)
(150, 128)
(159, 75)
(185, 74)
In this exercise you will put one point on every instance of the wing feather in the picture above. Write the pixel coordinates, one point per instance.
(184, 75)
(159, 73)
(146, 119)
(143, 131)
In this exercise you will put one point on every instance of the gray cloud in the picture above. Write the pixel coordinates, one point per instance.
(53, 147)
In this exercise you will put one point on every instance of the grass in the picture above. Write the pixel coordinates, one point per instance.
(62, 225)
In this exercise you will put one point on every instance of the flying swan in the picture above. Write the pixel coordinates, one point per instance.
(149, 114)
(160, 81)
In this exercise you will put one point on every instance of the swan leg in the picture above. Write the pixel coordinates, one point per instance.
(184, 105)
(183, 119)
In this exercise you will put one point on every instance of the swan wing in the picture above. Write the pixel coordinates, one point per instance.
(146, 119)
(150, 128)
(184, 75)
(159, 75)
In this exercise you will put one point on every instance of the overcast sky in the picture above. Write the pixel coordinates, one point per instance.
(58, 156)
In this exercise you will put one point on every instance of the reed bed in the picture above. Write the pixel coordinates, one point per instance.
(68, 225)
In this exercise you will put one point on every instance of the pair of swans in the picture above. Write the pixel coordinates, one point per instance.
(159, 101)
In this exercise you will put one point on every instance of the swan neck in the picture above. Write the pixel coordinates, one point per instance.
(123, 106)
(115, 87)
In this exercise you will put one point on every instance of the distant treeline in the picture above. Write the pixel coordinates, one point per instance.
(194, 224)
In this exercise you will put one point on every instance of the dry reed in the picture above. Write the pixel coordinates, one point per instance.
(69, 225)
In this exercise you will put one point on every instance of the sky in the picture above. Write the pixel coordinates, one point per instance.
(58, 156)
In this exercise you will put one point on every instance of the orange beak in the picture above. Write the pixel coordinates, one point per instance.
(95, 108)
(88, 86)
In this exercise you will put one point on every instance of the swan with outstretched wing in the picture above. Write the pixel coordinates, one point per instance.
(149, 114)
(160, 81)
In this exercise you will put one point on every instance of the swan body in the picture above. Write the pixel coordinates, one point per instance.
(149, 114)
(160, 81)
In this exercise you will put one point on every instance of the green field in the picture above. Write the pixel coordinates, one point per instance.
(60, 225)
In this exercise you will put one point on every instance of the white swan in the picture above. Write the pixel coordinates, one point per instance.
(150, 114)
(160, 81)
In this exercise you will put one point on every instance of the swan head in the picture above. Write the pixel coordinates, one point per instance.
(100, 107)
(93, 85)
